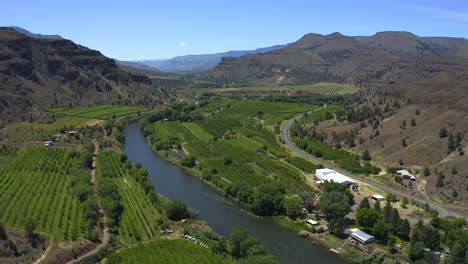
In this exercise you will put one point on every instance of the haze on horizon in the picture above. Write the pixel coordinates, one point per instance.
(163, 29)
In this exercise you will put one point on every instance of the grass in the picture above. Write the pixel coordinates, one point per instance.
(139, 220)
(36, 185)
(317, 116)
(166, 251)
(198, 131)
(99, 112)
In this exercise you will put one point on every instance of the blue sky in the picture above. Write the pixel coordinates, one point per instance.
(132, 30)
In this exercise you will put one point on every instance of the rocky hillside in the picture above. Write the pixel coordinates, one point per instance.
(38, 73)
(313, 58)
(334, 57)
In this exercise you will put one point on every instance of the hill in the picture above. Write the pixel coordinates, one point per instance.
(33, 35)
(200, 63)
(313, 58)
(38, 73)
(403, 44)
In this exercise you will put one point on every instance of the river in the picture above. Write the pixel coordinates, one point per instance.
(175, 183)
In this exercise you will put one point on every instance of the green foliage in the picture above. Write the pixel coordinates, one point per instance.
(50, 189)
(303, 164)
(292, 205)
(335, 203)
(366, 155)
(99, 112)
(364, 204)
(165, 251)
(368, 217)
(176, 210)
(189, 161)
(443, 133)
(416, 251)
(427, 172)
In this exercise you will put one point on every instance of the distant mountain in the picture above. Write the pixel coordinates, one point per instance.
(313, 58)
(200, 63)
(334, 57)
(38, 73)
(139, 68)
(32, 35)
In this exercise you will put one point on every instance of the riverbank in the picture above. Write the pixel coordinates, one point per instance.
(177, 183)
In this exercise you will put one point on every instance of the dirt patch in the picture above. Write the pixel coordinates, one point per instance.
(69, 252)
(17, 248)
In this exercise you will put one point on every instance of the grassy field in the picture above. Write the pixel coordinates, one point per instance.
(99, 112)
(166, 252)
(233, 141)
(36, 184)
(139, 220)
(318, 88)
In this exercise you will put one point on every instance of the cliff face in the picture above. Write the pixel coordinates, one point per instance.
(37, 73)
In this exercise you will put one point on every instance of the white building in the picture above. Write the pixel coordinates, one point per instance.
(406, 175)
(378, 197)
(312, 222)
(362, 237)
(331, 175)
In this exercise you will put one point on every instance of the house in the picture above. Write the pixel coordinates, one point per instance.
(362, 237)
(73, 133)
(312, 222)
(48, 144)
(406, 175)
(331, 175)
(377, 197)
(57, 136)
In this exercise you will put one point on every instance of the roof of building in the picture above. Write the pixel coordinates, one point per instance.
(404, 172)
(378, 196)
(362, 235)
(331, 175)
(312, 222)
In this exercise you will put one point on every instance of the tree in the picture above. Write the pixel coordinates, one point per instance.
(403, 143)
(387, 212)
(403, 124)
(377, 206)
(251, 246)
(238, 235)
(443, 132)
(367, 217)
(416, 251)
(292, 205)
(451, 145)
(427, 172)
(364, 204)
(337, 226)
(418, 112)
(413, 122)
(176, 210)
(381, 229)
(3, 234)
(366, 156)
(30, 227)
(400, 161)
(440, 180)
(458, 253)
(189, 161)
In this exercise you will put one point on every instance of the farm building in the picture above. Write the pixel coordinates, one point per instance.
(73, 133)
(331, 175)
(406, 175)
(312, 222)
(362, 237)
(377, 197)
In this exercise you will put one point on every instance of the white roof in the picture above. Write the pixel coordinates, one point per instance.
(378, 196)
(312, 222)
(362, 235)
(404, 172)
(331, 175)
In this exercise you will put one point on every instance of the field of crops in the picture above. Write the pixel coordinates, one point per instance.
(240, 153)
(139, 218)
(99, 112)
(319, 115)
(165, 251)
(35, 185)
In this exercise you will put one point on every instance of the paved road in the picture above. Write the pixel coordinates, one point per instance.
(287, 140)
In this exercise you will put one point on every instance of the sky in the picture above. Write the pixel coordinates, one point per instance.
(137, 29)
